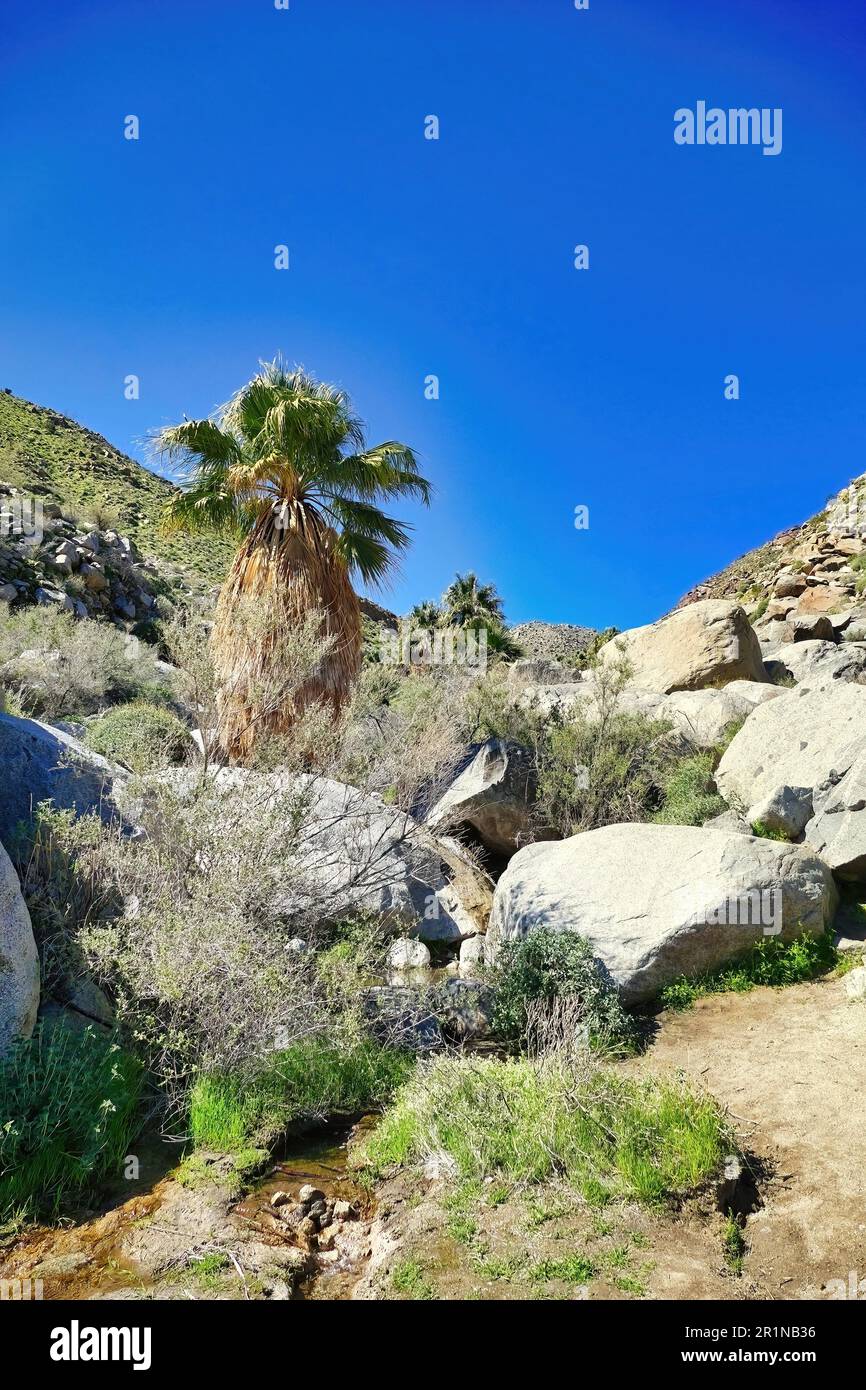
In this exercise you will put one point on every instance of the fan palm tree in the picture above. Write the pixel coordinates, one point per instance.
(466, 600)
(426, 616)
(285, 469)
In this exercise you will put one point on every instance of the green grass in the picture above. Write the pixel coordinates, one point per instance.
(94, 482)
(68, 1111)
(607, 1135)
(770, 961)
(571, 1269)
(408, 1279)
(207, 1270)
(236, 1176)
(733, 1245)
(313, 1079)
(764, 832)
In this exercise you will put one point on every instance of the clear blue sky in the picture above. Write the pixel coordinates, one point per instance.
(410, 257)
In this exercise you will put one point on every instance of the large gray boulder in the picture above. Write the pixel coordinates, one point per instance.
(353, 853)
(704, 644)
(41, 763)
(838, 830)
(813, 740)
(817, 664)
(494, 795)
(19, 963)
(700, 718)
(660, 901)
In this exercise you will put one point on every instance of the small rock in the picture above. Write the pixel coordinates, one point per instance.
(787, 810)
(308, 1195)
(327, 1237)
(280, 1199)
(472, 957)
(344, 1211)
(855, 983)
(308, 1231)
(408, 955)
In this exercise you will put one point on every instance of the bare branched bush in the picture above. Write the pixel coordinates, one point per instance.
(406, 733)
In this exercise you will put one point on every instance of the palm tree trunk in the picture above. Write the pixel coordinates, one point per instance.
(287, 569)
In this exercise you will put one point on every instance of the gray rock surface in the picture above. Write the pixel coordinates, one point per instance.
(41, 763)
(494, 794)
(19, 964)
(659, 901)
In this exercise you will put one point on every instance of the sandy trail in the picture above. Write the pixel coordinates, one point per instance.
(790, 1065)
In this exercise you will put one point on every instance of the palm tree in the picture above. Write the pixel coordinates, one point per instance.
(425, 616)
(285, 469)
(466, 599)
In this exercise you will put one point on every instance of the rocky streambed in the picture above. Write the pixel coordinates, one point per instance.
(301, 1230)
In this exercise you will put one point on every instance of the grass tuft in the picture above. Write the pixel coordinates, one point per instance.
(311, 1080)
(68, 1110)
(608, 1136)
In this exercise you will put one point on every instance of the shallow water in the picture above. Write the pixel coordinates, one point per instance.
(82, 1257)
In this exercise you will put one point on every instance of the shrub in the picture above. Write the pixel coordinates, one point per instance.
(770, 961)
(606, 1135)
(313, 1079)
(55, 666)
(689, 790)
(68, 1105)
(602, 771)
(547, 965)
(140, 736)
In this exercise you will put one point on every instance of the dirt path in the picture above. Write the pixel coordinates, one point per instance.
(790, 1065)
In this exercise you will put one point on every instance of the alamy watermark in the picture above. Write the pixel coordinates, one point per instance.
(759, 907)
(445, 646)
(738, 125)
(22, 516)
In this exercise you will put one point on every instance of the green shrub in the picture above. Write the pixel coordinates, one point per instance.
(548, 965)
(311, 1080)
(690, 796)
(770, 961)
(141, 736)
(605, 1135)
(602, 771)
(68, 1106)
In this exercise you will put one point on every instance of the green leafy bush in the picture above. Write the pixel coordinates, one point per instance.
(606, 1135)
(139, 735)
(602, 771)
(313, 1079)
(548, 965)
(68, 1107)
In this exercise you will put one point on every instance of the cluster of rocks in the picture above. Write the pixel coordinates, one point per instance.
(657, 901)
(89, 574)
(311, 1221)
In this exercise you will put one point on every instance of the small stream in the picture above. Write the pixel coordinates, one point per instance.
(83, 1257)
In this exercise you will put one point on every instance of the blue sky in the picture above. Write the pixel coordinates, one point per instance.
(558, 387)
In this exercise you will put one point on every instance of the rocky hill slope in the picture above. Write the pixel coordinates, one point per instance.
(808, 571)
(48, 455)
